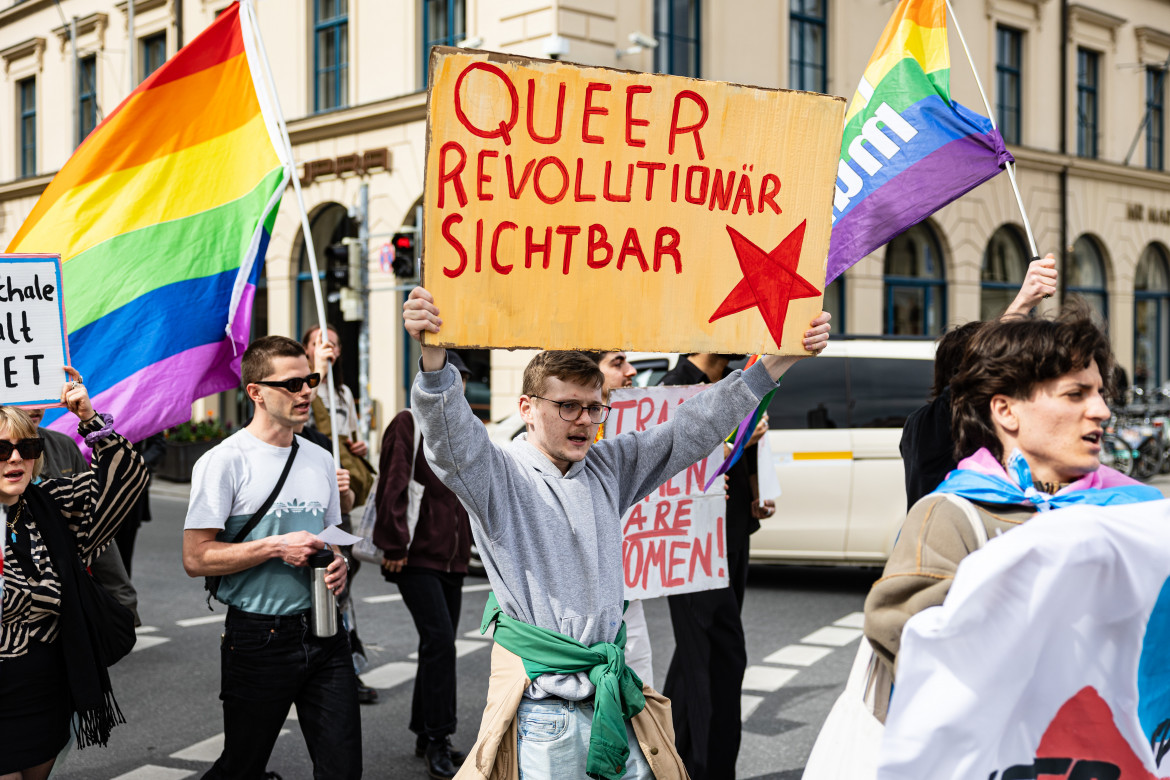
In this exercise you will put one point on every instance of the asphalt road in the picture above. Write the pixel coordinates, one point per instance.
(168, 688)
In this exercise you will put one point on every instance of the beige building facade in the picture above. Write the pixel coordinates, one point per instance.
(350, 75)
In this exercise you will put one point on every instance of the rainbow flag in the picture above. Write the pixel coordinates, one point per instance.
(162, 217)
(908, 149)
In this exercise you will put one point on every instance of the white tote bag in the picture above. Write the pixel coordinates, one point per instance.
(366, 550)
(849, 741)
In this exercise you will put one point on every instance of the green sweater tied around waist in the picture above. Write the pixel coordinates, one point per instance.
(618, 697)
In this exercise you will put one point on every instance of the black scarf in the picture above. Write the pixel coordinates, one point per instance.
(88, 680)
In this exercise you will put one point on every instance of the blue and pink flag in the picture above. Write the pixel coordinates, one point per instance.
(908, 149)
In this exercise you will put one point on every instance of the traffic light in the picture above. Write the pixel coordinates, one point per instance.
(337, 264)
(403, 263)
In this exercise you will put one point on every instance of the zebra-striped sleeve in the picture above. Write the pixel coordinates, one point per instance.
(94, 503)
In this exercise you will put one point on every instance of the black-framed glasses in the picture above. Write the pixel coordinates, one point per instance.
(571, 410)
(293, 385)
(29, 449)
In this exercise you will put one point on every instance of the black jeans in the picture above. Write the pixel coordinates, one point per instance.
(270, 662)
(434, 599)
(705, 676)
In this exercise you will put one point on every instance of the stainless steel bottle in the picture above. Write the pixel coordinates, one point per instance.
(323, 615)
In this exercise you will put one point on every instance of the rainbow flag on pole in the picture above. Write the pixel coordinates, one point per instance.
(908, 149)
(162, 217)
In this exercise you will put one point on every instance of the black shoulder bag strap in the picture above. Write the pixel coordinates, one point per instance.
(211, 584)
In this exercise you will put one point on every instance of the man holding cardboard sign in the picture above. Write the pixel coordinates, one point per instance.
(546, 516)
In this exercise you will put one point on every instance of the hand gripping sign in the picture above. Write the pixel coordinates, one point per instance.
(675, 538)
(34, 346)
(572, 207)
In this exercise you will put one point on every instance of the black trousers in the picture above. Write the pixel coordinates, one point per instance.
(434, 599)
(269, 663)
(706, 674)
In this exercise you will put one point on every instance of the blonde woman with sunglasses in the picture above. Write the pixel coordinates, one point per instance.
(49, 671)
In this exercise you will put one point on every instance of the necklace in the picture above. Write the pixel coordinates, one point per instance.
(16, 517)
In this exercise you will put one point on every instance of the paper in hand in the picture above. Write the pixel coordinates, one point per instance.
(334, 535)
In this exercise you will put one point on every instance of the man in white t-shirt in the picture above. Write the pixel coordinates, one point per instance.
(269, 657)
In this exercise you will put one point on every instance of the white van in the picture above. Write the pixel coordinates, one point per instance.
(835, 423)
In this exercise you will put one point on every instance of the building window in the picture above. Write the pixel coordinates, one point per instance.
(1156, 123)
(1005, 262)
(1084, 275)
(834, 303)
(86, 97)
(330, 54)
(1088, 63)
(27, 89)
(1151, 318)
(807, 47)
(676, 27)
(1008, 62)
(915, 284)
(152, 53)
(444, 24)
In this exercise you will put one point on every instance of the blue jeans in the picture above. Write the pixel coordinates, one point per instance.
(553, 736)
(270, 662)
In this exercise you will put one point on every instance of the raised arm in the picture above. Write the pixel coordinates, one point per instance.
(647, 459)
(1039, 283)
(456, 443)
(96, 502)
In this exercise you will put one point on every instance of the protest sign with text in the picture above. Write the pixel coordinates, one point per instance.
(33, 340)
(696, 212)
(674, 537)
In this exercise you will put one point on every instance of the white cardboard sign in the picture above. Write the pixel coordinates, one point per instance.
(34, 347)
(675, 538)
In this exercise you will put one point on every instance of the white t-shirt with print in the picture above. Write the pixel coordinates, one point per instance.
(232, 481)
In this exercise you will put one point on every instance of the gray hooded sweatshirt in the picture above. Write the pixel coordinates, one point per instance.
(552, 543)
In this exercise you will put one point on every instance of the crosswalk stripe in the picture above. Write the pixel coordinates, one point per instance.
(145, 629)
(832, 636)
(748, 704)
(462, 647)
(852, 620)
(152, 772)
(144, 642)
(385, 598)
(766, 678)
(390, 675)
(798, 655)
(199, 621)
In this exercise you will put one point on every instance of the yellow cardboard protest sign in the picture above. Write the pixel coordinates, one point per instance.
(572, 207)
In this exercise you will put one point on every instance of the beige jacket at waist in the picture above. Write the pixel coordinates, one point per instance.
(494, 755)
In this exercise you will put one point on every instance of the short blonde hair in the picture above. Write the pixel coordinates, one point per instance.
(18, 425)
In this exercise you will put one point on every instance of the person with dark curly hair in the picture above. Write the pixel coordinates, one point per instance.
(1028, 410)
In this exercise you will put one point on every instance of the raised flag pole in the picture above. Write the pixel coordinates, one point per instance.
(306, 228)
(1011, 166)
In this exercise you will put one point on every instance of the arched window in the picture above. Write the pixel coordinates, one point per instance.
(915, 284)
(330, 224)
(1084, 275)
(1151, 318)
(1005, 262)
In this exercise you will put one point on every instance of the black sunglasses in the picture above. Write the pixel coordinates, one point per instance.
(295, 384)
(29, 449)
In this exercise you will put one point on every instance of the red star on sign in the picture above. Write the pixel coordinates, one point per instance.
(769, 280)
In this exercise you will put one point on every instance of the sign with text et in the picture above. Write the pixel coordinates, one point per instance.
(673, 540)
(33, 339)
(572, 207)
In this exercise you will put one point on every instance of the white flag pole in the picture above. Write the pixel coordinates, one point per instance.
(1011, 167)
(306, 229)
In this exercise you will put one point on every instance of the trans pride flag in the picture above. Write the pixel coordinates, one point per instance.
(908, 149)
(162, 217)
